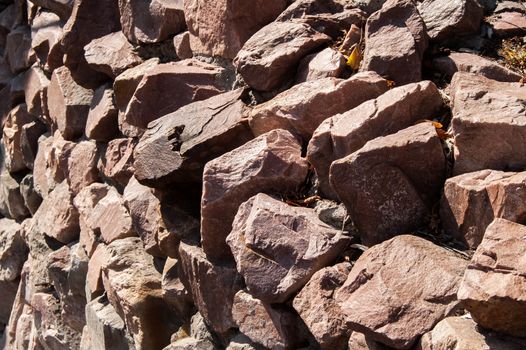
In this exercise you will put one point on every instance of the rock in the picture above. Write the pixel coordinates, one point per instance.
(134, 290)
(171, 150)
(461, 333)
(270, 57)
(368, 6)
(32, 199)
(345, 133)
(182, 46)
(272, 326)
(390, 185)
(111, 54)
(212, 287)
(221, 28)
(97, 261)
(29, 137)
(57, 217)
(509, 6)
(471, 201)
(400, 289)
(492, 286)
(46, 33)
(445, 19)
(241, 342)
(468, 62)
(271, 162)
(395, 41)
(68, 103)
(175, 84)
(508, 24)
(13, 251)
(7, 21)
(278, 248)
(11, 201)
(358, 341)
(12, 130)
(62, 8)
(9, 291)
(485, 110)
(18, 50)
(316, 305)
(324, 64)
(35, 88)
(174, 292)
(353, 37)
(302, 108)
(151, 21)
(117, 163)
(102, 123)
(5, 73)
(190, 343)
(82, 166)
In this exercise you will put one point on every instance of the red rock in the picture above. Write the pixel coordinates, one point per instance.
(353, 37)
(12, 130)
(358, 341)
(467, 62)
(5, 73)
(400, 289)
(62, 8)
(174, 292)
(485, 111)
(270, 57)
(324, 64)
(151, 21)
(222, 27)
(102, 121)
(508, 24)
(278, 247)
(9, 290)
(35, 88)
(19, 54)
(302, 108)
(68, 104)
(182, 46)
(94, 284)
(11, 201)
(7, 22)
(171, 150)
(345, 133)
(29, 137)
(13, 251)
(395, 41)
(32, 199)
(111, 54)
(46, 32)
(492, 289)
(82, 166)
(316, 305)
(269, 163)
(390, 185)
(117, 163)
(445, 19)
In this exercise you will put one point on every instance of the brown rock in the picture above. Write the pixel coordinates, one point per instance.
(151, 21)
(324, 64)
(508, 24)
(173, 147)
(35, 88)
(400, 289)
(11, 201)
(111, 54)
(5, 73)
(182, 46)
(270, 57)
(13, 251)
(9, 290)
(358, 341)
(117, 163)
(94, 284)
(492, 289)
(221, 28)
(484, 111)
(345, 133)
(270, 163)
(12, 130)
(318, 309)
(68, 103)
(395, 41)
(46, 32)
(102, 123)
(7, 21)
(278, 248)
(62, 8)
(18, 50)
(353, 37)
(82, 166)
(212, 287)
(174, 292)
(32, 199)
(390, 185)
(468, 62)
(190, 343)
(302, 108)
(29, 136)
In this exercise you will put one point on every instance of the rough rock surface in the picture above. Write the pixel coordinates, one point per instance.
(11, 138)
(102, 122)
(13, 251)
(324, 64)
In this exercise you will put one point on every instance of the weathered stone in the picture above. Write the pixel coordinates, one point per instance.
(302, 108)
(111, 54)
(62, 8)
(9, 290)
(13, 251)
(176, 147)
(32, 199)
(57, 217)
(102, 123)
(7, 22)
(271, 162)
(492, 289)
(190, 343)
(395, 41)
(134, 290)
(318, 309)
(353, 37)
(5, 73)
(174, 292)
(29, 136)
(390, 185)
(468, 62)
(12, 129)
(488, 116)
(46, 32)
(169, 86)
(400, 289)
(35, 88)
(68, 103)
(345, 133)
(270, 57)
(324, 64)
(117, 163)
(278, 248)
(369, 6)
(11, 201)
(241, 342)
(82, 166)
(221, 28)
(18, 50)
(358, 341)
(508, 24)
(94, 284)
(182, 46)
(212, 287)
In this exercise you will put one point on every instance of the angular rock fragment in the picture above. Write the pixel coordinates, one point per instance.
(182, 46)
(278, 247)
(358, 341)
(302, 108)
(62, 8)
(46, 32)
(117, 163)
(390, 185)
(82, 166)
(345, 133)
(35, 88)
(32, 199)
(400, 289)
(492, 289)
(176, 147)
(395, 41)
(271, 162)
(324, 64)
(190, 343)
(102, 123)
(12, 130)
(508, 24)
(11, 200)
(9, 291)
(29, 136)
(488, 118)
(97, 261)
(222, 27)
(18, 50)
(13, 250)
(174, 292)
(270, 57)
